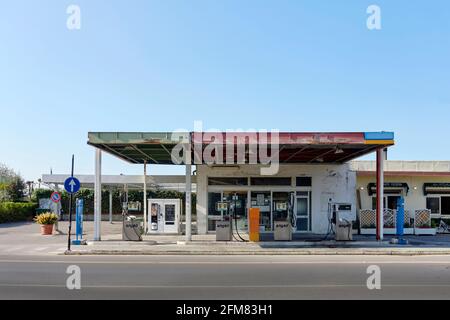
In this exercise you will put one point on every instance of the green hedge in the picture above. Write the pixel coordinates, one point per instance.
(15, 211)
(133, 195)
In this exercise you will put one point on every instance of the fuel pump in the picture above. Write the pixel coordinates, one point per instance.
(223, 227)
(342, 218)
(131, 229)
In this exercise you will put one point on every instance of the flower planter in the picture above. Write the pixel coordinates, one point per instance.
(388, 231)
(425, 231)
(46, 229)
(408, 231)
(368, 231)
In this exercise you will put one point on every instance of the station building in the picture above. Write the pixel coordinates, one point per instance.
(312, 170)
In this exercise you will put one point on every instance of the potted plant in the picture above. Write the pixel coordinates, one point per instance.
(46, 220)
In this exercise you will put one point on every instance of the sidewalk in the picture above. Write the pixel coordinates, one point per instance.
(111, 244)
(265, 248)
(19, 238)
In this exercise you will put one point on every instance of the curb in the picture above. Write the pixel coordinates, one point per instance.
(314, 252)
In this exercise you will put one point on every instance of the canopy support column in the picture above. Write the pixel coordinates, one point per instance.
(380, 193)
(98, 195)
(188, 191)
(110, 205)
(145, 197)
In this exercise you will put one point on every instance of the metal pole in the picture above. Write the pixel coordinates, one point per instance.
(145, 197)
(70, 210)
(380, 193)
(98, 195)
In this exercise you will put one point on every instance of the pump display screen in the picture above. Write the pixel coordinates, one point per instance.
(221, 206)
(281, 206)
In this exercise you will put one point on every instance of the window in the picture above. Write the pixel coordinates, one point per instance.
(270, 181)
(433, 204)
(374, 203)
(213, 213)
(304, 181)
(227, 181)
(445, 205)
(213, 199)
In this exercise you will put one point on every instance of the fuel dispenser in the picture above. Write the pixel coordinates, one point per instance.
(342, 217)
(131, 226)
(230, 217)
(286, 223)
(223, 227)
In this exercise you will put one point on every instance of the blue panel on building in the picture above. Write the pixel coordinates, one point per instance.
(379, 135)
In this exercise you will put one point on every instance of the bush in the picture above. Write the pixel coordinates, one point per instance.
(46, 218)
(40, 193)
(133, 195)
(11, 211)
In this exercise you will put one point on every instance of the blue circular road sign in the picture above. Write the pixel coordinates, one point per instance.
(72, 185)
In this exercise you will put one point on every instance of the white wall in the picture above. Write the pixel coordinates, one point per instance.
(335, 181)
(415, 199)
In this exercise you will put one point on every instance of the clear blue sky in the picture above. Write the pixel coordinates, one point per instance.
(159, 65)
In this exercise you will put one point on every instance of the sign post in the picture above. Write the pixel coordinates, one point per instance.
(56, 199)
(72, 185)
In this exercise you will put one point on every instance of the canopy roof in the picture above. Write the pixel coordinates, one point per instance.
(294, 147)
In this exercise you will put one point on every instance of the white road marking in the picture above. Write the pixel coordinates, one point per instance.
(13, 248)
(447, 263)
(41, 249)
(226, 286)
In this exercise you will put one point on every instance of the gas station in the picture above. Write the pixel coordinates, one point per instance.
(311, 192)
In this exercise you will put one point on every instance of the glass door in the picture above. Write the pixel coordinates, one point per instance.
(262, 200)
(302, 214)
(238, 207)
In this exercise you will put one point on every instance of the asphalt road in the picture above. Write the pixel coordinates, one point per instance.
(224, 277)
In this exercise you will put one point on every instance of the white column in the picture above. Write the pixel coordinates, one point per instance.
(202, 199)
(188, 186)
(188, 204)
(145, 197)
(110, 205)
(98, 195)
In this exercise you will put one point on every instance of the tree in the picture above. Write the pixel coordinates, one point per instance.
(6, 174)
(12, 186)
